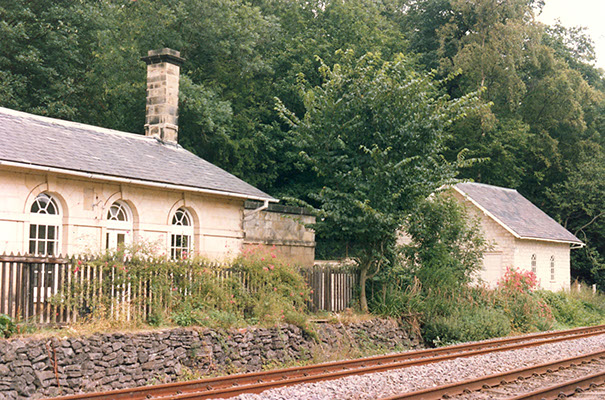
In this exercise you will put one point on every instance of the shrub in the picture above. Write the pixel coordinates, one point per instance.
(570, 310)
(463, 326)
(515, 297)
(257, 287)
(7, 326)
(517, 281)
(276, 288)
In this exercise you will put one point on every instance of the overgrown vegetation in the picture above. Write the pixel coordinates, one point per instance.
(435, 285)
(255, 288)
(373, 157)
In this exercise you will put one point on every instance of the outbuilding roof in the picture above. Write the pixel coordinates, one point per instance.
(36, 142)
(515, 213)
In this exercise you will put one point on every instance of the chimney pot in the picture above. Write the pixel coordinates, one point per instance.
(163, 69)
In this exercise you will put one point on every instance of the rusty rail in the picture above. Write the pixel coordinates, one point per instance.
(510, 376)
(567, 388)
(228, 386)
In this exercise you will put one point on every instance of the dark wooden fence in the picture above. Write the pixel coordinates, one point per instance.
(333, 287)
(26, 285)
(34, 289)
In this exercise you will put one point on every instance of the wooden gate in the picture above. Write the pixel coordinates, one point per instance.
(333, 288)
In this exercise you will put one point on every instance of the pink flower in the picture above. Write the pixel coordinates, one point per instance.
(76, 269)
(271, 266)
(79, 262)
(265, 269)
(275, 289)
(262, 258)
(273, 255)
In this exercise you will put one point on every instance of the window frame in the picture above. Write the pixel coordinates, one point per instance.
(552, 268)
(40, 222)
(182, 230)
(118, 231)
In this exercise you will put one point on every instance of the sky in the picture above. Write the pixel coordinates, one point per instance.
(587, 13)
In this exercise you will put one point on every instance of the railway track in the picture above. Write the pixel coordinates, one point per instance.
(543, 381)
(233, 385)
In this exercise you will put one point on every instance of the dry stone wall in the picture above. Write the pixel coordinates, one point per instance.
(36, 368)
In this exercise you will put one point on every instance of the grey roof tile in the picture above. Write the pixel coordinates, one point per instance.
(47, 142)
(516, 212)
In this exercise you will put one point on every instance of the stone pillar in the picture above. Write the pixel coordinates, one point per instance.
(163, 68)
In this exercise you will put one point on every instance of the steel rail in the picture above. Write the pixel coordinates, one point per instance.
(566, 388)
(484, 382)
(256, 382)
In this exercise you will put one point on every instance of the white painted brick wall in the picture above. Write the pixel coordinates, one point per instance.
(513, 252)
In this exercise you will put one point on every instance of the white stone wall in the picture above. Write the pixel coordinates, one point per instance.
(524, 249)
(508, 251)
(218, 230)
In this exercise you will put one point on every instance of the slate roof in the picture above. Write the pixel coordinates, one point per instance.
(516, 213)
(46, 142)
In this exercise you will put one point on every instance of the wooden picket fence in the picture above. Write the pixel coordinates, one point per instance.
(36, 289)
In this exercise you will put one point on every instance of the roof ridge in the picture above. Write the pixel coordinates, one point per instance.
(491, 186)
(73, 124)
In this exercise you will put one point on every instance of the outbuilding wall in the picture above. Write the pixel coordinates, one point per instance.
(508, 251)
(543, 252)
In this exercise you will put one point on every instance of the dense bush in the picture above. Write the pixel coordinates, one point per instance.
(469, 324)
(573, 309)
(256, 287)
(516, 298)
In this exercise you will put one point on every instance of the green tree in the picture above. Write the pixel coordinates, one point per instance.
(44, 55)
(372, 133)
(446, 245)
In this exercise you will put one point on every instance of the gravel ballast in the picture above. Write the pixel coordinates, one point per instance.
(384, 384)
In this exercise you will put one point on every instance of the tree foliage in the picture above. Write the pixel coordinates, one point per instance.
(372, 134)
(446, 244)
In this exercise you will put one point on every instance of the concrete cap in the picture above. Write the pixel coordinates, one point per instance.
(163, 55)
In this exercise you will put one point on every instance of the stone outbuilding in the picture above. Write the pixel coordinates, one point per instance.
(521, 235)
(67, 188)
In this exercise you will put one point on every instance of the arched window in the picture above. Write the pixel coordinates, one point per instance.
(44, 226)
(182, 234)
(534, 263)
(552, 268)
(119, 225)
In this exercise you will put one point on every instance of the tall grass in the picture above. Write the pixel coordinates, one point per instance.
(470, 313)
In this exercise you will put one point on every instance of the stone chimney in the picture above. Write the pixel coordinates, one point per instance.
(163, 68)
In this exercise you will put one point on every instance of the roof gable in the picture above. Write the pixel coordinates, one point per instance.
(515, 213)
(33, 140)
